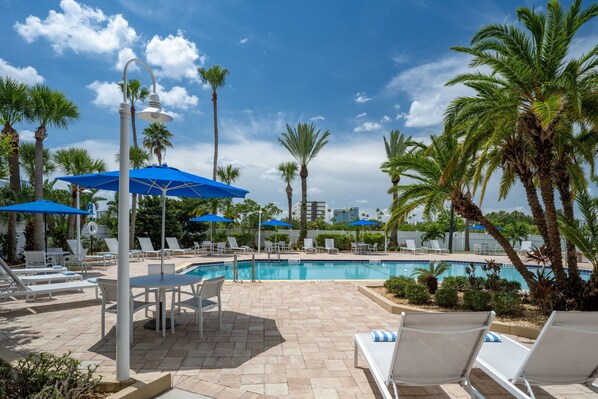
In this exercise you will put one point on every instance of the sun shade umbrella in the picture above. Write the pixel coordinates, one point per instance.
(46, 207)
(160, 180)
(277, 223)
(210, 218)
(363, 222)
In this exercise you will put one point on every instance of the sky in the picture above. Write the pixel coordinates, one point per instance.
(357, 69)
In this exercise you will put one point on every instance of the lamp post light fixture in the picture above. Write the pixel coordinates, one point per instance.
(153, 113)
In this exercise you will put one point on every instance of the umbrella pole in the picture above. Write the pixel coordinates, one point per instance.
(45, 233)
(163, 232)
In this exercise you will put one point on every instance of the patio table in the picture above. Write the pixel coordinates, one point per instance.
(362, 247)
(162, 283)
(57, 256)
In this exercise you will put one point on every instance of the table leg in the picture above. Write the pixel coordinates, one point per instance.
(161, 321)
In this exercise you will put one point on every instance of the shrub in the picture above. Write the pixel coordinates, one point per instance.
(373, 238)
(459, 283)
(447, 297)
(278, 237)
(476, 300)
(417, 294)
(341, 241)
(47, 376)
(507, 304)
(396, 285)
(509, 286)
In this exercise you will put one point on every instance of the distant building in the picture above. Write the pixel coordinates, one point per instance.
(345, 215)
(315, 210)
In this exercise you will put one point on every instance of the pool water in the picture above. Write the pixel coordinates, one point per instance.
(322, 270)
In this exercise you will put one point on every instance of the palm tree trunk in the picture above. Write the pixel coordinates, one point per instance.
(466, 236)
(215, 103)
(15, 186)
(534, 203)
(303, 231)
(70, 231)
(38, 186)
(394, 235)
(290, 201)
(133, 127)
(563, 185)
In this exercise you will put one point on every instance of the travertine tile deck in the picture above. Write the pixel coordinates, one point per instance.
(279, 339)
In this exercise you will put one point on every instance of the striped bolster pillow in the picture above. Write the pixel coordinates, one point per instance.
(384, 336)
(492, 337)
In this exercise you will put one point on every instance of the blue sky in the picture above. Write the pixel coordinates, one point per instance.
(358, 69)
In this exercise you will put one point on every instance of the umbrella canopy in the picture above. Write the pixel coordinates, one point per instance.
(160, 180)
(480, 227)
(277, 223)
(363, 222)
(210, 218)
(46, 207)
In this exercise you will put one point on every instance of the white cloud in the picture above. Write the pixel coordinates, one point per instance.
(27, 75)
(108, 95)
(174, 57)
(317, 118)
(361, 98)
(362, 201)
(125, 55)
(271, 174)
(314, 190)
(176, 97)
(424, 84)
(361, 115)
(244, 40)
(367, 127)
(26, 135)
(79, 28)
(385, 119)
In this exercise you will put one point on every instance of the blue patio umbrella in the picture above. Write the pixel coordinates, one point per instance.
(480, 227)
(277, 223)
(210, 218)
(46, 207)
(160, 180)
(363, 222)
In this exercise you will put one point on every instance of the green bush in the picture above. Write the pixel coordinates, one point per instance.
(47, 376)
(507, 304)
(509, 286)
(373, 238)
(447, 297)
(278, 237)
(417, 294)
(459, 283)
(242, 239)
(341, 241)
(476, 300)
(396, 285)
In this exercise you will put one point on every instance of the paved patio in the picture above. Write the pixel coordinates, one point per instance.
(279, 339)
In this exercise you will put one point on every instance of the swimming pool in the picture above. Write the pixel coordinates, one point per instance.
(338, 270)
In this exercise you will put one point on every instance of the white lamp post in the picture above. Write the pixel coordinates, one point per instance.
(152, 114)
(259, 230)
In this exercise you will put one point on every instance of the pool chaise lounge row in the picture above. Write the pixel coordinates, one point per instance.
(441, 348)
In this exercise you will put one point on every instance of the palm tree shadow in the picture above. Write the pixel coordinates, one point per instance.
(241, 338)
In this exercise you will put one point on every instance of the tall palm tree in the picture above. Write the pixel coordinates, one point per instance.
(216, 78)
(533, 87)
(15, 106)
(156, 138)
(50, 109)
(135, 92)
(304, 144)
(396, 145)
(288, 173)
(138, 158)
(27, 159)
(76, 161)
(228, 174)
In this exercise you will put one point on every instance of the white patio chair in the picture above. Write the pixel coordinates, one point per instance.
(565, 352)
(109, 295)
(373, 248)
(35, 259)
(430, 349)
(232, 243)
(269, 246)
(221, 248)
(436, 247)
(526, 246)
(329, 246)
(174, 247)
(148, 248)
(200, 249)
(308, 245)
(202, 300)
(477, 249)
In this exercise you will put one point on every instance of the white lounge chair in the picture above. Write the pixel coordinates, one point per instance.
(436, 247)
(39, 270)
(13, 285)
(147, 248)
(175, 248)
(477, 249)
(112, 244)
(308, 245)
(76, 250)
(526, 246)
(232, 243)
(430, 349)
(412, 248)
(44, 278)
(329, 246)
(565, 352)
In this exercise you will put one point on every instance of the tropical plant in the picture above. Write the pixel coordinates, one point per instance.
(288, 173)
(50, 109)
(27, 159)
(433, 232)
(135, 92)
(15, 106)
(517, 232)
(396, 145)
(156, 138)
(76, 161)
(529, 94)
(304, 144)
(429, 276)
(228, 174)
(216, 78)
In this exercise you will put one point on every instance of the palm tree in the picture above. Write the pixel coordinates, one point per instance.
(304, 144)
(76, 161)
(50, 109)
(134, 93)
(434, 232)
(396, 145)
(27, 159)
(533, 91)
(429, 276)
(15, 106)
(215, 77)
(288, 173)
(228, 174)
(156, 138)
(517, 232)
